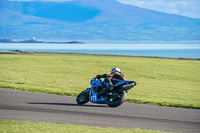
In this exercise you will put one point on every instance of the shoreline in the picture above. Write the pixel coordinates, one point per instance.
(32, 52)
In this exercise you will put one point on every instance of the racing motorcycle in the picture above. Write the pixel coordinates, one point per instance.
(112, 98)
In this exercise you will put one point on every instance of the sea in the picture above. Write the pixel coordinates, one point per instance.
(154, 49)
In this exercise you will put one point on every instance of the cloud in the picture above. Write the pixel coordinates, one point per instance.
(189, 8)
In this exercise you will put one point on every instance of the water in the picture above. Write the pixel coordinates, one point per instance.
(159, 49)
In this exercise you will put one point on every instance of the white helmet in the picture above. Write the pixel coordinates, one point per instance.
(115, 69)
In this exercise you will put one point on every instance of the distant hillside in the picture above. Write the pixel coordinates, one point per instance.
(93, 20)
(37, 41)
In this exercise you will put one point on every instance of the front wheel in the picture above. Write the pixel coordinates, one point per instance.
(118, 100)
(83, 97)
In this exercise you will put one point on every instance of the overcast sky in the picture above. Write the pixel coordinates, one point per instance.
(188, 8)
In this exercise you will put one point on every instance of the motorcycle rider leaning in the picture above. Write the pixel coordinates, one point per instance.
(115, 75)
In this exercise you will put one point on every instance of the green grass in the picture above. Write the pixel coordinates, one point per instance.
(166, 82)
(30, 127)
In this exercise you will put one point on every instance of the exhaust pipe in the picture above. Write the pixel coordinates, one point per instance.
(128, 86)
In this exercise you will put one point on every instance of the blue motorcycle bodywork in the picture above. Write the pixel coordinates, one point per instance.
(95, 83)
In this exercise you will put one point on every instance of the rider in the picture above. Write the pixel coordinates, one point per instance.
(116, 76)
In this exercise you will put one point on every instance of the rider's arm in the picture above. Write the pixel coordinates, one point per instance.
(103, 76)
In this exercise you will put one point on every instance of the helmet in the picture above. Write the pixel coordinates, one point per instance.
(115, 69)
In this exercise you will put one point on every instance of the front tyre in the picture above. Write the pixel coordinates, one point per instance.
(114, 102)
(83, 97)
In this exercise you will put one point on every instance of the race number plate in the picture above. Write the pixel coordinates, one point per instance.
(94, 98)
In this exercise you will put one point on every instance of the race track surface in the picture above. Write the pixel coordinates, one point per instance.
(35, 107)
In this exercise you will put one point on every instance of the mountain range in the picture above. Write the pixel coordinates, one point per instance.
(92, 20)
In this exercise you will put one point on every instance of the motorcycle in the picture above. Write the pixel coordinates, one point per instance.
(112, 98)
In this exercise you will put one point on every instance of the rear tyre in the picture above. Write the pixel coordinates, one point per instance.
(83, 97)
(118, 100)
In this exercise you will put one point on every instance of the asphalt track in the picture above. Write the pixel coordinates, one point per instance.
(35, 107)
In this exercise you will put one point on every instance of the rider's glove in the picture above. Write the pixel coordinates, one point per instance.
(98, 76)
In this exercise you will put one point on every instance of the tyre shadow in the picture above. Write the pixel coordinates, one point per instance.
(68, 104)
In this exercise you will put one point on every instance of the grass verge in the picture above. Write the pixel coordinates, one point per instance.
(42, 127)
(165, 82)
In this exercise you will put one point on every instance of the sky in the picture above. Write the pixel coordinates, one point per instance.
(43, 0)
(188, 8)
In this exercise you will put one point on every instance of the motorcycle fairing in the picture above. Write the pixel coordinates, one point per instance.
(95, 83)
(94, 98)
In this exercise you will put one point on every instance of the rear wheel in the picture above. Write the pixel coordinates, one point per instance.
(117, 100)
(83, 97)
